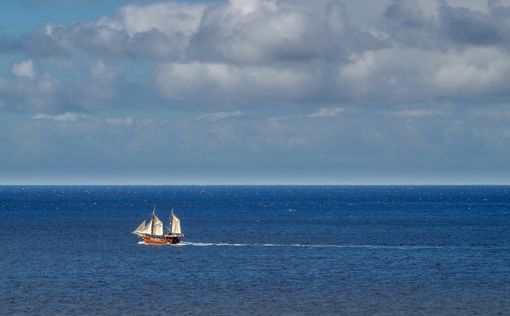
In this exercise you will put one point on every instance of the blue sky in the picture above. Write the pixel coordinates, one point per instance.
(254, 91)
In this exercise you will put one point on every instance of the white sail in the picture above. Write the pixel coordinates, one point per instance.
(158, 226)
(147, 229)
(176, 225)
(140, 228)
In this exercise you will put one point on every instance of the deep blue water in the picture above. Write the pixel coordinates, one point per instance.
(277, 250)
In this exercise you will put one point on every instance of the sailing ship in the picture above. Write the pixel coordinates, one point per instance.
(151, 231)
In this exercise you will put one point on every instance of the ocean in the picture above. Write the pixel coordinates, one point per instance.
(257, 250)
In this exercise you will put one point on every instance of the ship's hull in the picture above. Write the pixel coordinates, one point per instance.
(165, 240)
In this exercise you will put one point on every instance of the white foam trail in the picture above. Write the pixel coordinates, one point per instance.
(395, 247)
(220, 244)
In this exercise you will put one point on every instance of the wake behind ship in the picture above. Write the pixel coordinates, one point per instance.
(152, 232)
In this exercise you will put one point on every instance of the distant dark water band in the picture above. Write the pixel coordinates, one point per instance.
(394, 247)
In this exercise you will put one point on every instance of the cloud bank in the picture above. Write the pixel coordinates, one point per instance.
(267, 51)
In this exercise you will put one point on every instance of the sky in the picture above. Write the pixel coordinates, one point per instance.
(255, 92)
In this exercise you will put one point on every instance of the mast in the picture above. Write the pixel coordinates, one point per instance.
(152, 220)
(156, 225)
(170, 221)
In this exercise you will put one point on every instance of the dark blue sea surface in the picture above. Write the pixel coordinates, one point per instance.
(272, 250)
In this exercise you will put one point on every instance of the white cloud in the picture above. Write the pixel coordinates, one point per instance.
(73, 117)
(151, 31)
(65, 117)
(326, 112)
(251, 6)
(24, 69)
(262, 32)
(254, 31)
(170, 18)
(223, 81)
(474, 70)
(430, 9)
(395, 74)
(276, 51)
(218, 116)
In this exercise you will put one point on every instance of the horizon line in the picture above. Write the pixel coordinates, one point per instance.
(258, 184)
